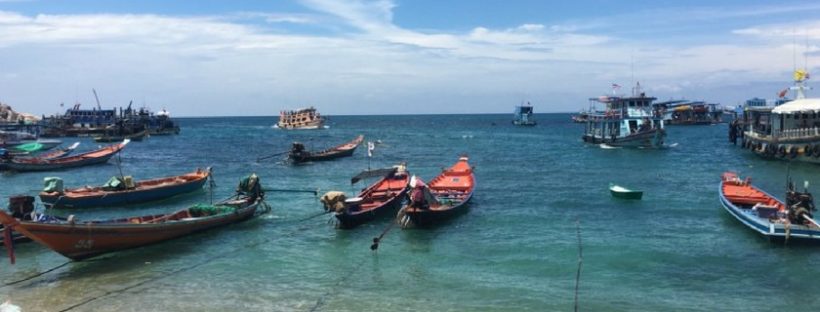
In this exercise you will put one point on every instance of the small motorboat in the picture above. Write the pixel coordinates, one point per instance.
(767, 215)
(298, 154)
(625, 193)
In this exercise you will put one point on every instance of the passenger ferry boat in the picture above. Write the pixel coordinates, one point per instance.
(523, 115)
(305, 118)
(626, 122)
(790, 131)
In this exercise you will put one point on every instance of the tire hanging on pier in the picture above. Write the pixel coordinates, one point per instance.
(807, 150)
(781, 151)
(816, 151)
(792, 151)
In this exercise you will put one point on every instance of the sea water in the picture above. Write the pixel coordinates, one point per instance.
(516, 249)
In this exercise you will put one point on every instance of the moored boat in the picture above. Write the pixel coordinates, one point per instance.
(298, 154)
(523, 115)
(121, 191)
(446, 196)
(109, 137)
(79, 240)
(61, 152)
(304, 119)
(384, 197)
(626, 122)
(625, 193)
(766, 214)
(790, 131)
(88, 158)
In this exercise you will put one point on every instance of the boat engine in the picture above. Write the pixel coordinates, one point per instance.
(21, 206)
(799, 204)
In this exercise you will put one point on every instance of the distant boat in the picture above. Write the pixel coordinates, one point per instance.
(88, 158)
(298, 154)
(523, 115)
(625, 193)
(123, 191)
(110, 137)
(300, 119)
(789, 131)
(626, 122)
(383, 197)
(766, 214)
(80, 240)
(683, 112)
(446, 196)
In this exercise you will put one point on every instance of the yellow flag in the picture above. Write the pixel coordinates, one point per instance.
(800, 75)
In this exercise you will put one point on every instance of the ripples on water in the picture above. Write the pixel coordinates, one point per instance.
(515, 250)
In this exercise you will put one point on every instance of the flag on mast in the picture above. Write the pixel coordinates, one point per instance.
(370, 148)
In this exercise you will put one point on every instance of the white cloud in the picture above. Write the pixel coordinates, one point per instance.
(217, 65)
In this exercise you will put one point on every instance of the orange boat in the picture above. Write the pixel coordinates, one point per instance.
(44, 164)
(766, 214)
(80, 240)
(384, 196)
(446, 196)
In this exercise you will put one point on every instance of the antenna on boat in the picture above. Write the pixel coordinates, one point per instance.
(96, 98)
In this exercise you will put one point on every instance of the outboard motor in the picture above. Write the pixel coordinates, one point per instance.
(799, 204)
(21, 206)
(297, 151)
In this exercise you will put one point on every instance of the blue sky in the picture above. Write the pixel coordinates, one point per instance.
(214, 58)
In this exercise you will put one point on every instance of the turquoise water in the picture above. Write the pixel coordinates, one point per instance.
(516, 250)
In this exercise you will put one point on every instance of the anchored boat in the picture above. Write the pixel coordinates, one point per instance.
(121, 191)
(625, 193)
(767, 215)
(79, 240)
(40, 164)
(626, 122)
(298, 154)
(790, 131)
(523, 115)
(446, 196)
(383, 197)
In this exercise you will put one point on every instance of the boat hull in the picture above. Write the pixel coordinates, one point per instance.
(431, 218)
(802, 151)
(349, 220)
(653, 138)
(89, 158)
(763, 226)
(124, 197)
(453, 190)
(79, 241)
(627, 195)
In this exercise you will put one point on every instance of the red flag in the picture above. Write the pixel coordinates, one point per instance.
(782, 94)
(8, 243)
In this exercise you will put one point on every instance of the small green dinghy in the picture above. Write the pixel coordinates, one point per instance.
(625, 193)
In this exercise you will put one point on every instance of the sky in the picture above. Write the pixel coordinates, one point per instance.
(352, 57)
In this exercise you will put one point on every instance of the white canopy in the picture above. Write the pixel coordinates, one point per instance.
(797, 106)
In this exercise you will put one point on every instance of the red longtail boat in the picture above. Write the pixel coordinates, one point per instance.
(446, 196)
(79, 240)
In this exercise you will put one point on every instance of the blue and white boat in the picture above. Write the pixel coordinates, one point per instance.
(627, 121)
(767, 215)
(523, 115)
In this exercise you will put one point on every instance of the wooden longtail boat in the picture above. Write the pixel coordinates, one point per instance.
(84, 239)
(298, 154)
(137, 137)
(61, 152)
(381, 198)
(625, 193)
(141, 191)
(766, 214)
(452, 191)
(88, 158)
